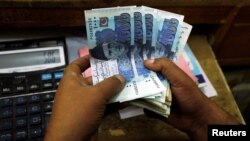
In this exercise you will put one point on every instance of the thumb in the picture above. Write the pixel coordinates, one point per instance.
(171, 71)
(111, 86)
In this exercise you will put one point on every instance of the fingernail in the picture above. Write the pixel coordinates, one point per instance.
(121, 78)
(151, 61)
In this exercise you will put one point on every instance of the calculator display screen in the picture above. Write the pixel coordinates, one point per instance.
(29, 58)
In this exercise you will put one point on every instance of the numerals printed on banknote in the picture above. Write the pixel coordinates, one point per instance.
(121, 38)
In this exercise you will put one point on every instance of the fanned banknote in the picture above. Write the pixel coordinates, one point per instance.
(121, 38)
(168, 32)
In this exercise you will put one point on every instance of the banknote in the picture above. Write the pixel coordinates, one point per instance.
(109, 37)
(137, 53)
(149, 103)
(164, 96)
(168, 26)
(105, 26)
(148, 48)
(151, 107)
(151, 27)
(185, 31)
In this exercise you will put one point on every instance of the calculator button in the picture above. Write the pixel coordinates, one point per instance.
(46, 120)
(20, 88)
(57, 83)
(47, 85)
(48, 107)
(21, 122)
(34, 109)
(34, 98)
(5, 124)
(6, 112)
(6, 102)
(21, 134)
(21, 100)
(34, 120)
(49, 96)
(58, 75)
(6, 90)
(35, 132)
(21, 111)
(46, 76)
(34, 87)
(6, 136)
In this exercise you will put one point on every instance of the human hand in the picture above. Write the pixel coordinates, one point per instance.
(191, 111)
(78, 106)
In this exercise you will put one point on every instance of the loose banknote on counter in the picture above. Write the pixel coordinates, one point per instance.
(121, 38)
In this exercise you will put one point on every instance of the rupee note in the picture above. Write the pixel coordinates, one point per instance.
(137, 54)
(151, 107)
(168, 26)
(153, 14)
(110, 38)
(185, 31)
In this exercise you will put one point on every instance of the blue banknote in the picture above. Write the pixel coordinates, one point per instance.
(168, 33)
(109, 37)
(151, 28)
(185, 31)
(166, 37)
(139, 46)
(148, 48)
(125, 68)
(123, 23)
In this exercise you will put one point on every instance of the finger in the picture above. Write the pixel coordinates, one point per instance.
(79, 65)
(88, 80)
(84, 81)
(110, 86)
(171, 71)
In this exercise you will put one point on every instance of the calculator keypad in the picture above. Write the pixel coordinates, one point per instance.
(26, 105)
(23, 118)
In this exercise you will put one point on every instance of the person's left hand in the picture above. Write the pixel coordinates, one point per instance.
(78, 106)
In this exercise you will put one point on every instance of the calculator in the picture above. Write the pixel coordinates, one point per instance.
(30, 72)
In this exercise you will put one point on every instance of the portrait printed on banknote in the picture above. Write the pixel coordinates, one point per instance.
(115, 44)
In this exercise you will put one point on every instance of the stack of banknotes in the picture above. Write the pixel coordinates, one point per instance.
(121, 38)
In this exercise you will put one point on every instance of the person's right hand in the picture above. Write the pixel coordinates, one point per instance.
(191, 111)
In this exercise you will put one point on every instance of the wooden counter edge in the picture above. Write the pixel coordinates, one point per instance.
(207, 60)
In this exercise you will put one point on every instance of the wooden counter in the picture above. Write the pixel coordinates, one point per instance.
(142, 128)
